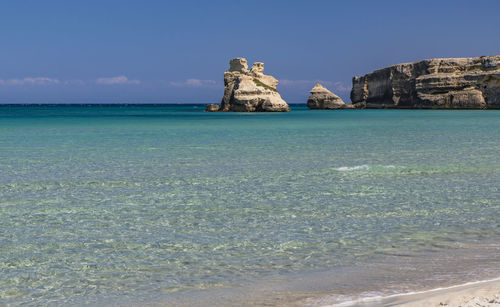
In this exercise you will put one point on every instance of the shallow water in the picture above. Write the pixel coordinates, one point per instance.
(107, 204)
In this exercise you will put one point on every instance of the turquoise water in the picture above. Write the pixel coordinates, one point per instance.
(106, 204)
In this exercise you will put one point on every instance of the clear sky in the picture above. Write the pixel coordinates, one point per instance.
(177, 51)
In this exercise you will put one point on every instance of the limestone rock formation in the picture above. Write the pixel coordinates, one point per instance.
(213, 107)
(321, 98)
(455, 83)
(250, 91)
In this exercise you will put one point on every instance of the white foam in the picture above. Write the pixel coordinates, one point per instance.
(361, 167)
(389, 166)
(352, 168)
(374, 299)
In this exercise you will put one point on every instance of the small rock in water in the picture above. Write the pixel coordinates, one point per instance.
(213, 107)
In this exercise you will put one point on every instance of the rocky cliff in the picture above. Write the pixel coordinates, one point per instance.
(455, 83)
(250, 90)
(322, 99)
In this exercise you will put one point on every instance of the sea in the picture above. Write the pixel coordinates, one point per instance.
(168, 205)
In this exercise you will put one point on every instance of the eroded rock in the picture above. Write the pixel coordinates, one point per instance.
(250, 91)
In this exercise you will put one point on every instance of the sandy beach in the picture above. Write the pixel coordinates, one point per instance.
(481, 293)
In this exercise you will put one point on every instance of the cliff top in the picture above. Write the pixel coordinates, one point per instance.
(448, 65)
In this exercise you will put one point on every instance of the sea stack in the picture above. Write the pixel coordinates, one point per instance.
(322, 99)
(454, 83)
(250, 90)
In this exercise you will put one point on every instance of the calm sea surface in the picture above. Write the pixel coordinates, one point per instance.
(107, 205)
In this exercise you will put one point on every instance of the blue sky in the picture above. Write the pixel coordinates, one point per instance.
(177, 51)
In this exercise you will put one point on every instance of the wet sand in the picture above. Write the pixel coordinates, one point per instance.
(482, 293)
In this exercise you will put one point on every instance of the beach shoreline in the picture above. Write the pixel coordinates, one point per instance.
(341, 288)
(478, 293)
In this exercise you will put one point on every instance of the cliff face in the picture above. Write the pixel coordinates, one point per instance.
(250, 91)
(456, 83)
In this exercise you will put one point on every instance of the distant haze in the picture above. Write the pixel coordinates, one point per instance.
(177, 51)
